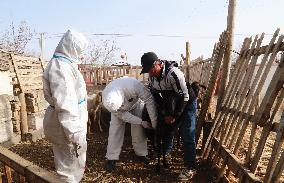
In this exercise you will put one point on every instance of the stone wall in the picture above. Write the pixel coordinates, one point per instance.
(6, 126)
(5, 82)
(36, 106)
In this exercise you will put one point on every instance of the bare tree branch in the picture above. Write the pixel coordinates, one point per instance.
(15, 39)
(102, 53)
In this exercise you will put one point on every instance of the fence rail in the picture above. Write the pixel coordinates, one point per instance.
(243, 141)
(98, 77)
(16, 169)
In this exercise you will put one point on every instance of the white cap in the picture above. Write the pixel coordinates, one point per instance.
(112, 100)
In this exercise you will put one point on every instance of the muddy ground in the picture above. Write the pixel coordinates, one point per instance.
(128, 169)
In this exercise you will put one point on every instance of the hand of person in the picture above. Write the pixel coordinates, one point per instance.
(146, 124)
(76, 148)
(169, 120)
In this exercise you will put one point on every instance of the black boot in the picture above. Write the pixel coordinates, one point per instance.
(144, 159)
(110, 165)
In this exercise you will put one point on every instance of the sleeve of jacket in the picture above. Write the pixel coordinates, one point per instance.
(62, 84)
(177, 80)
(145, 95)
(127, 117)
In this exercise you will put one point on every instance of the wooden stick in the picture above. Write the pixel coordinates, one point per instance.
(258, 90)
(219, 113)
(233, 89)
(227, 54)
(278, 169)
(266, 132)
(244, 87)
(252, 89)
(8, 173)
(275, 151)
(217, 56)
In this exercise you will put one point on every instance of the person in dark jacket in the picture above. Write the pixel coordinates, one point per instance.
(165, 81)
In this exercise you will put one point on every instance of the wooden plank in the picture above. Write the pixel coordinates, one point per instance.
(219, 115)
(217, 57)
(278, 169)
(235, 89)
(29, 77)
(26, 168)
(41, 176)
(28, 72)
(8, 173)
(259, 87)
(262, 50)
(237, 94)
(272, 126)
(21, 59)
(0, 177)
(223, 179)
(275, 152)
(23, 74)
(30, 69)
(235, 162)
(137, 73)
(34, 83)
(29, 64)
(20, 177)
(246, 83)
(249, 103)
(274, 87)
(95, 77)
(264, 136)
(227, 54)
(100, 76)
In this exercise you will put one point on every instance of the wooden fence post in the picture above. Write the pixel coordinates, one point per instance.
(187, 53)
(23, 114)
(227, 54)
(217, 56)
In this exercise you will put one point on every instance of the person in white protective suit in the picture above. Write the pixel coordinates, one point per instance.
(125, 98)
(65, 120)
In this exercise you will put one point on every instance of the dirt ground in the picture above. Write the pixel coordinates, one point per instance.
(128, 169)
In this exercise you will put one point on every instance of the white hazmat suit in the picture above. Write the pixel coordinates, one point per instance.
(65, 120)
(124, 98)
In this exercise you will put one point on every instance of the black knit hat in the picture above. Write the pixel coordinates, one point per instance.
(147, 61)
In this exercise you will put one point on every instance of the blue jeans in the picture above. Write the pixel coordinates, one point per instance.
(187, 128)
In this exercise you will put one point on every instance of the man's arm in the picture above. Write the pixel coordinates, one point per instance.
(128, 117)
(177, 80)
(145, 95)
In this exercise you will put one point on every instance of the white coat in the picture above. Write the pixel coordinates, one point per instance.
(65, 120)
(125, 98)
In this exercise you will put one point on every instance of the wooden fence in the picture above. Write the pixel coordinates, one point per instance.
(246, 138)
(99, 77)
(213, 69)
(26, 73)
(13, 168)
(199, 70)
(245, 141)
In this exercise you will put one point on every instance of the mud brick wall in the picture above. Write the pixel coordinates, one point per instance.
(6, 126)
(36, 106)
(15, 109)
(35, 101)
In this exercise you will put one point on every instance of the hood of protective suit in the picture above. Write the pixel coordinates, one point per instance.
(72, 44)
(112, 100)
